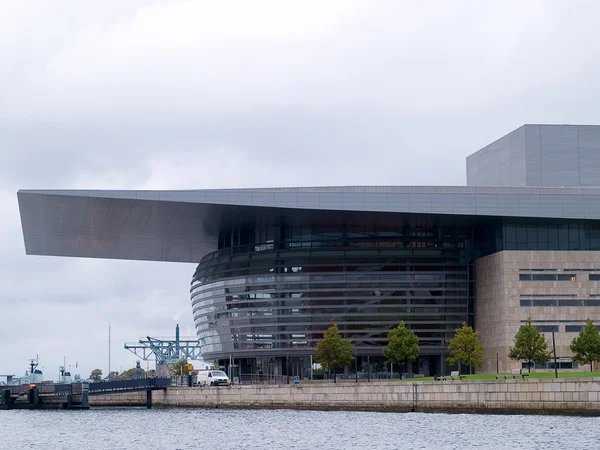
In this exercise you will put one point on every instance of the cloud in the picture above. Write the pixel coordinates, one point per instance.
(205, 57)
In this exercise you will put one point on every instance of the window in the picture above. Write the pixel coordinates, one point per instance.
(521, 233)
(594, 276)
(547, 328)
(550, 365)
(538, 270)
(567, 365)
(548, 277)
(544, 303)
(566, 277)
(570, 302)
(577, 328)
(550, 295)
(581, 270)
(549, 234)
(525, 302)
(543, 277)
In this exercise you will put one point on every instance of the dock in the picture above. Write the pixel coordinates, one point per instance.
(74, 395)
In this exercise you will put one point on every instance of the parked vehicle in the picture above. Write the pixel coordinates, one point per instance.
(213, 378)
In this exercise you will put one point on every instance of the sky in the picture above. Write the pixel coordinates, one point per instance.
(203, 94)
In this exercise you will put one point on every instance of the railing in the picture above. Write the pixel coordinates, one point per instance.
(108, 387)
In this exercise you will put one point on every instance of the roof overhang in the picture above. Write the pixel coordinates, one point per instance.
(183, 226)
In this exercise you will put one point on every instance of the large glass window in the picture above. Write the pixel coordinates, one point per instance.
(284, 295)
(550, 234)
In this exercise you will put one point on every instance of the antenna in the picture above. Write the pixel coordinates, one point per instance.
(108, 350)
(62, 369)
(33, 363)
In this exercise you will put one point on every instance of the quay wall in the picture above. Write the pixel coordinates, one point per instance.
(546, 395)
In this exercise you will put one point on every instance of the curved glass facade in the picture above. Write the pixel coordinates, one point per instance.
(272, 290)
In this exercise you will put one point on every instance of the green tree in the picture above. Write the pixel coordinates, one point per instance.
(180, 367)
(586, 346)
(465, 348)
(113, 375)
(332, 351)
(403, 346)
(130, 374)
(96, 375)
(530, 346)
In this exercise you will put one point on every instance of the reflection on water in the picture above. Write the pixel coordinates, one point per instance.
(287, 429)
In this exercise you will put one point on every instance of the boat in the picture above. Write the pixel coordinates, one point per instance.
(33, 375)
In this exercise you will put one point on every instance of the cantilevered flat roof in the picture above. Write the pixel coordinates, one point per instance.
(182, 226)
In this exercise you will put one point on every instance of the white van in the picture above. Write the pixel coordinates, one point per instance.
(213, 378)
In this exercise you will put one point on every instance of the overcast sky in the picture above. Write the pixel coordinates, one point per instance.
(204, 94)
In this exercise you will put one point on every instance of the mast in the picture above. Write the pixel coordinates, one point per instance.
(108, 351)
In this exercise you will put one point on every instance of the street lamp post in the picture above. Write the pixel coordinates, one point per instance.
(356, 367)
(554, 349)
(442, 371)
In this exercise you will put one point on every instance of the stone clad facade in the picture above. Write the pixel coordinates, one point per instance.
(505, 298)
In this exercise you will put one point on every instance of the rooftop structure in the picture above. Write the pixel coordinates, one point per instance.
(539, 155)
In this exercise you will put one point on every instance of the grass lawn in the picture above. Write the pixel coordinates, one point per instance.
(564, 374)
(492, 376)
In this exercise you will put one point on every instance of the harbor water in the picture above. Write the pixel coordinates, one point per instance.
(222, 429)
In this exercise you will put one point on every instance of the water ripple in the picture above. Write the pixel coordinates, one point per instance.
(113, 428)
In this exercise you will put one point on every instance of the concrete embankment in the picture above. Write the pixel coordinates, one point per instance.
(581, 395)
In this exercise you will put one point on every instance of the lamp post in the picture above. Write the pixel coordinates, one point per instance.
(356, 366)
(442, 371)
(554, 349)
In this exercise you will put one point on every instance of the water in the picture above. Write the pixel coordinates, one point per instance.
(287, 429)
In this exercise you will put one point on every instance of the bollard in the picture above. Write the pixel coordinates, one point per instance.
(415, 396)
(33, 395)
(5, 398)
